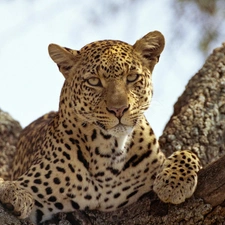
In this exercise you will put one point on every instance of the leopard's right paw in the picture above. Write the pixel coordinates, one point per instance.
(16, 199)
(178, 178)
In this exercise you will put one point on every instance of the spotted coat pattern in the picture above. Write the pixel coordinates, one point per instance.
(98, 151)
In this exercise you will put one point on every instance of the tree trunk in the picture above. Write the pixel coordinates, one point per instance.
(198, 124)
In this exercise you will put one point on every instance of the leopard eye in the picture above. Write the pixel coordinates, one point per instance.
(132, 77)
(94, 81)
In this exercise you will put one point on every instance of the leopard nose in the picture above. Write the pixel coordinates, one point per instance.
(118, 112)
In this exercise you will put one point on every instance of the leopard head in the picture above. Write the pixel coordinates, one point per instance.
(108, 83)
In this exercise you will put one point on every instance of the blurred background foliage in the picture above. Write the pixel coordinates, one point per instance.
(206, 16)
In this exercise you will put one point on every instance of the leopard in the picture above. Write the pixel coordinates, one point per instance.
(98, 151)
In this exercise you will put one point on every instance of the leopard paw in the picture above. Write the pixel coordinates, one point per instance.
(178, 178)
(15, 199)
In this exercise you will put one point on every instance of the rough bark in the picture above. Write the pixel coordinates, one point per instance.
(9, 133)
(198, 123)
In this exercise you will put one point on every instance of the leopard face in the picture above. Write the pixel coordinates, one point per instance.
(108, 82)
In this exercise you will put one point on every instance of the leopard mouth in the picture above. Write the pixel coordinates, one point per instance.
(117, 129)
(120, 129)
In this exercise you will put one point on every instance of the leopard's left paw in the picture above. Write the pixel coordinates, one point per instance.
(178, 178)
(15, 198)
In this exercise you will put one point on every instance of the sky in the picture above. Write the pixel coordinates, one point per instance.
(30, 82)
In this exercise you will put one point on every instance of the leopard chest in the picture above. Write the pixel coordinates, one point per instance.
(98, 171)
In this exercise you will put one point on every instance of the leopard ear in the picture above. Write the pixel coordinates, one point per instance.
(150, 47)
(65, 58)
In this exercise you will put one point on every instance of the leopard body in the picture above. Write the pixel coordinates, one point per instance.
(98, 151)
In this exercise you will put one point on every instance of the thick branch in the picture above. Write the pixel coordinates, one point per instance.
(198, 121)
(211, 185)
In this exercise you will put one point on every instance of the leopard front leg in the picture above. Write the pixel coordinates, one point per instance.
(15, 198)
(178, 177)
